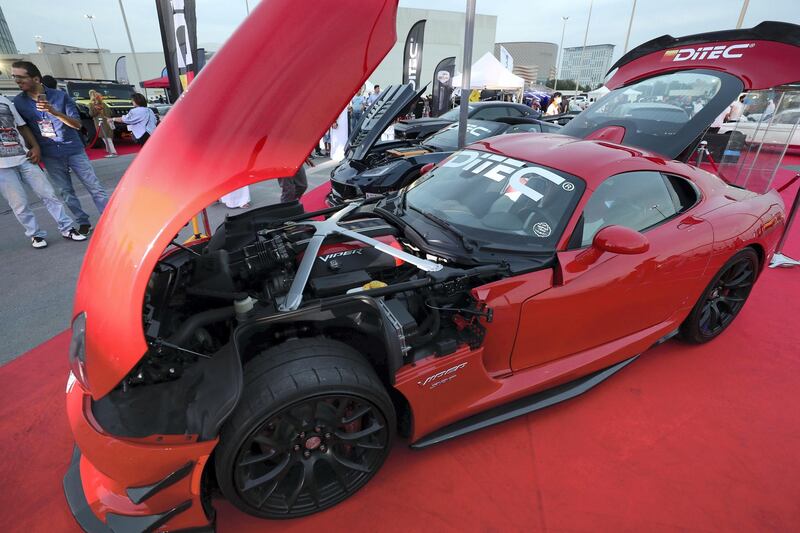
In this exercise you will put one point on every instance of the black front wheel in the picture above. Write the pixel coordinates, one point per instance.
(723, 298)
(313, 426)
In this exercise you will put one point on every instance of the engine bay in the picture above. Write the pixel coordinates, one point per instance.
(276, 273)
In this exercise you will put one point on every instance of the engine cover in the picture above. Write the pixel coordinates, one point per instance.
(350, 256)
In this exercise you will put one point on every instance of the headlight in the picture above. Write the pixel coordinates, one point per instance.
(77, 350)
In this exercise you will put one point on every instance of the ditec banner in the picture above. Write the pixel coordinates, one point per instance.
(178, 24)
(442, 85)
(412, 54)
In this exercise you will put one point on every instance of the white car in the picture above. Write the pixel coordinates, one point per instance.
(782, 129)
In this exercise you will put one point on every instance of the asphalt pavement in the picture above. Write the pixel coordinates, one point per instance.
(37, 286)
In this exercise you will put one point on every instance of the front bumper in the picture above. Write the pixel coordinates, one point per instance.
(119, 484)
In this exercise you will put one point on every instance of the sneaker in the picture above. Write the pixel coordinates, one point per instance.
(85, 229)
(38, 242)
(110, 155)
(72, 235)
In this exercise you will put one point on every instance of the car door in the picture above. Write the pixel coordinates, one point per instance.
(618, 296)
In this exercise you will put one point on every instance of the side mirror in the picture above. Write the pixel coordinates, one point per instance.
(614, 239)
(426, 168)
(620, 240)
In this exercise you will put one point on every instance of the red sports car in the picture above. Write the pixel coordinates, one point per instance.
(279, 358)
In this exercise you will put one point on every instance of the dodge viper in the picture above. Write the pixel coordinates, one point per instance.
(278, 359)
(373, 166)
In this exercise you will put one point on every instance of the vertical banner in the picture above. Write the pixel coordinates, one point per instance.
(121, 70)
(178, 23)
(412, 54)
(442, 85)
(506, 59)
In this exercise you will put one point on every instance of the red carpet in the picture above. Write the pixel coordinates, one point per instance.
(123, 146)
(686, 438)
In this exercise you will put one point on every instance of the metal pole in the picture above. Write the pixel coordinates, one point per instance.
(91, 23)
(630, 23)
(583, 51)
(778, 259)
(741, 14)
(469, 33)
(560, 51)
(130, 41)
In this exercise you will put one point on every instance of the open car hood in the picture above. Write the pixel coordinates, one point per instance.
(757, 58)
(212, 144)
(383, 112)
(764, 56)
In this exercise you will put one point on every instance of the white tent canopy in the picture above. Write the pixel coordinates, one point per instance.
(597, 93)
(489, 73)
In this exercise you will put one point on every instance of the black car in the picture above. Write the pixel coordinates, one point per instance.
(561, 119)
(375, 167)
(420, 128)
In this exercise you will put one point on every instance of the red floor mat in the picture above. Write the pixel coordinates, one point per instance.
(685, 438)
(123, 147)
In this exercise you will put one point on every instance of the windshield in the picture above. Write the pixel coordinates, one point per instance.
(81, 90)
(664, 113)
(446, 139)
(454, 113)
(497, 200)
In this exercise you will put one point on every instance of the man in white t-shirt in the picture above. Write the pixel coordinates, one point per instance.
(18, 164)
(736, 109)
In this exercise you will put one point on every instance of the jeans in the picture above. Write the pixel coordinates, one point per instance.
(59, 169)
(354, 120)
(11, 188)
(293, 188)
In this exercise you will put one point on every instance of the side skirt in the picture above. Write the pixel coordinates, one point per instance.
(521, 407)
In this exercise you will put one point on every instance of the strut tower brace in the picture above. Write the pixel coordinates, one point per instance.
(331, 227)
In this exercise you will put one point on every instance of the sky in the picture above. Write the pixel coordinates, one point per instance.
(63, 21)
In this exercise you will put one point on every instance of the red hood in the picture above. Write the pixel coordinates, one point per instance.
(762, 57)
(253, 113)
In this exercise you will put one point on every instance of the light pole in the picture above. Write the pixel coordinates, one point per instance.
(130, 41)
(560, 51)
(469, 35)
(91, 22)
(742, 13)
(583, 51)
(630, 23)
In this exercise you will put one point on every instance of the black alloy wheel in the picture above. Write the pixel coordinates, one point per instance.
(723, 299)
(311, 455)
(313, 425)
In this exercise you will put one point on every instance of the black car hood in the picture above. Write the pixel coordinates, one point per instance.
(425, 122)
(378, 117)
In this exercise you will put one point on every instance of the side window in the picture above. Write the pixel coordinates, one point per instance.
(516, 112)
(638, 200)
(491, 112)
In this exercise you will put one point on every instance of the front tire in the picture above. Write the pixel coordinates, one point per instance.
(313, 426)
(723, 298)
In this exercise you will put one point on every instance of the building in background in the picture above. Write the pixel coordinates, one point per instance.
(535, 62)
(65, 61)
(588, 69)
(7, 45)
(444, 37)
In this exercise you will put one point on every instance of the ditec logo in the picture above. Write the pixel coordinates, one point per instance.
(733, 51)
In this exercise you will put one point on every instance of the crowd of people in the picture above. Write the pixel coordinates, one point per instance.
(42, 147)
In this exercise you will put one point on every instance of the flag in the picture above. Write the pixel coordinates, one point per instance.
(442, 85)
(412, 54)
